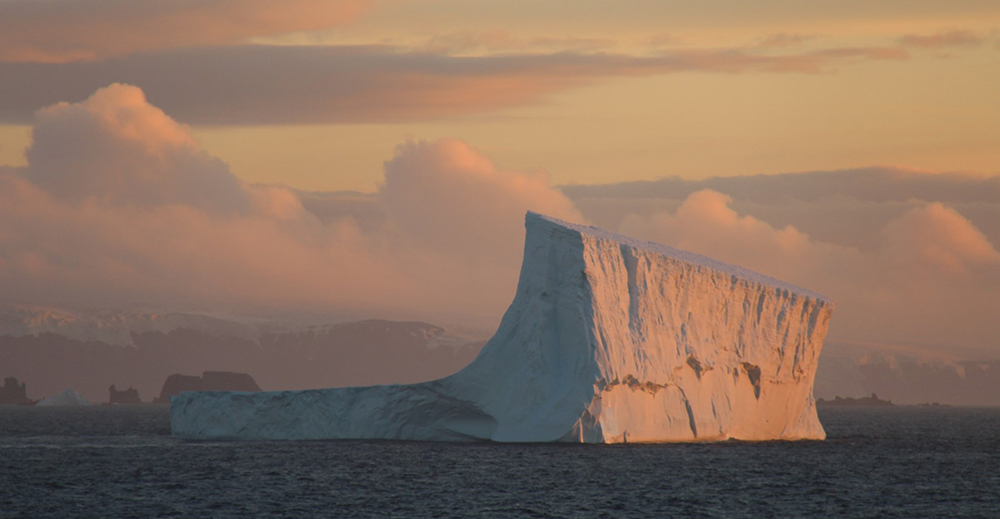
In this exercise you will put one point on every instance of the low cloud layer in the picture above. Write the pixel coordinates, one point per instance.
(59, 31)
(260, 84)
(119, 206)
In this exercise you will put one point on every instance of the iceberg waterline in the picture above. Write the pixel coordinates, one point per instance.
(608, 339)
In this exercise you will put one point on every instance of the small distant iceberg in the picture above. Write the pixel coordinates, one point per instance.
(67, 398)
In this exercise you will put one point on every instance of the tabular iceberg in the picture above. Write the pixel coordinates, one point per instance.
(608, 339)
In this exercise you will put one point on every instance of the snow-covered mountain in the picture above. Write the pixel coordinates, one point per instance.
(50, 349)
(608, 339)
(908, 374)
(114, 328)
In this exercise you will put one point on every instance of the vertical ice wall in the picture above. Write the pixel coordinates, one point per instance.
(608, 339)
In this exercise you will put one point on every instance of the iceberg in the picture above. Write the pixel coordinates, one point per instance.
(608, 339)
(68, 398)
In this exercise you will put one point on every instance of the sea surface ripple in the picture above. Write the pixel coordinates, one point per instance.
(113, 462)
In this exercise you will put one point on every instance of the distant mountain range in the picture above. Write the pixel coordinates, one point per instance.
(54, 349)
(908, 374)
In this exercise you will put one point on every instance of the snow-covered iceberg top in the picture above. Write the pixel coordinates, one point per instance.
(678, 254)
(608, 339)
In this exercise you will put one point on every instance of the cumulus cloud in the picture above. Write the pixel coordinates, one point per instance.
(54, 31)
(941, 239)
(119, 205)
(262, 84)
(708, 211)
(705, 223)
(443, 194)
(178, 256)
(117, 147)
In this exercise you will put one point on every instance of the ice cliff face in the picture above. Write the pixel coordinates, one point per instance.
(608, 339)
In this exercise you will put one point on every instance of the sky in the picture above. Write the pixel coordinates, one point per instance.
(375, 158)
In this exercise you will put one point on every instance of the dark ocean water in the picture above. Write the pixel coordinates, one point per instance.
(121, 462)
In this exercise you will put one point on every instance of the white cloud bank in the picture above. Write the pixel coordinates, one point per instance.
(120, 206)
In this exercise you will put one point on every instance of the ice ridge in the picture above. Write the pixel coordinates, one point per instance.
(683, 255)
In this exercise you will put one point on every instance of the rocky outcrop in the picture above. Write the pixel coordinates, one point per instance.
(608, 339)
(208, 381)
(909, 374)
(867, 401)
(287, 355)
(125, 396)
(14, 393)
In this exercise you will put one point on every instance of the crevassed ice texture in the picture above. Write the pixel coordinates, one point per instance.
(608, 339)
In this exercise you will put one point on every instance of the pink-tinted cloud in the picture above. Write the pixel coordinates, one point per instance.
(440, 193)
(118, 148)
(256, 84)
(784, 40)
(940, 241)
(504, 41)
(54, 31)
(943, 40)
(119, 206)
(179, 256)
(705, 223)
(845, 207)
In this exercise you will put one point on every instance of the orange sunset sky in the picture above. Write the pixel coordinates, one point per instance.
(375, 158)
